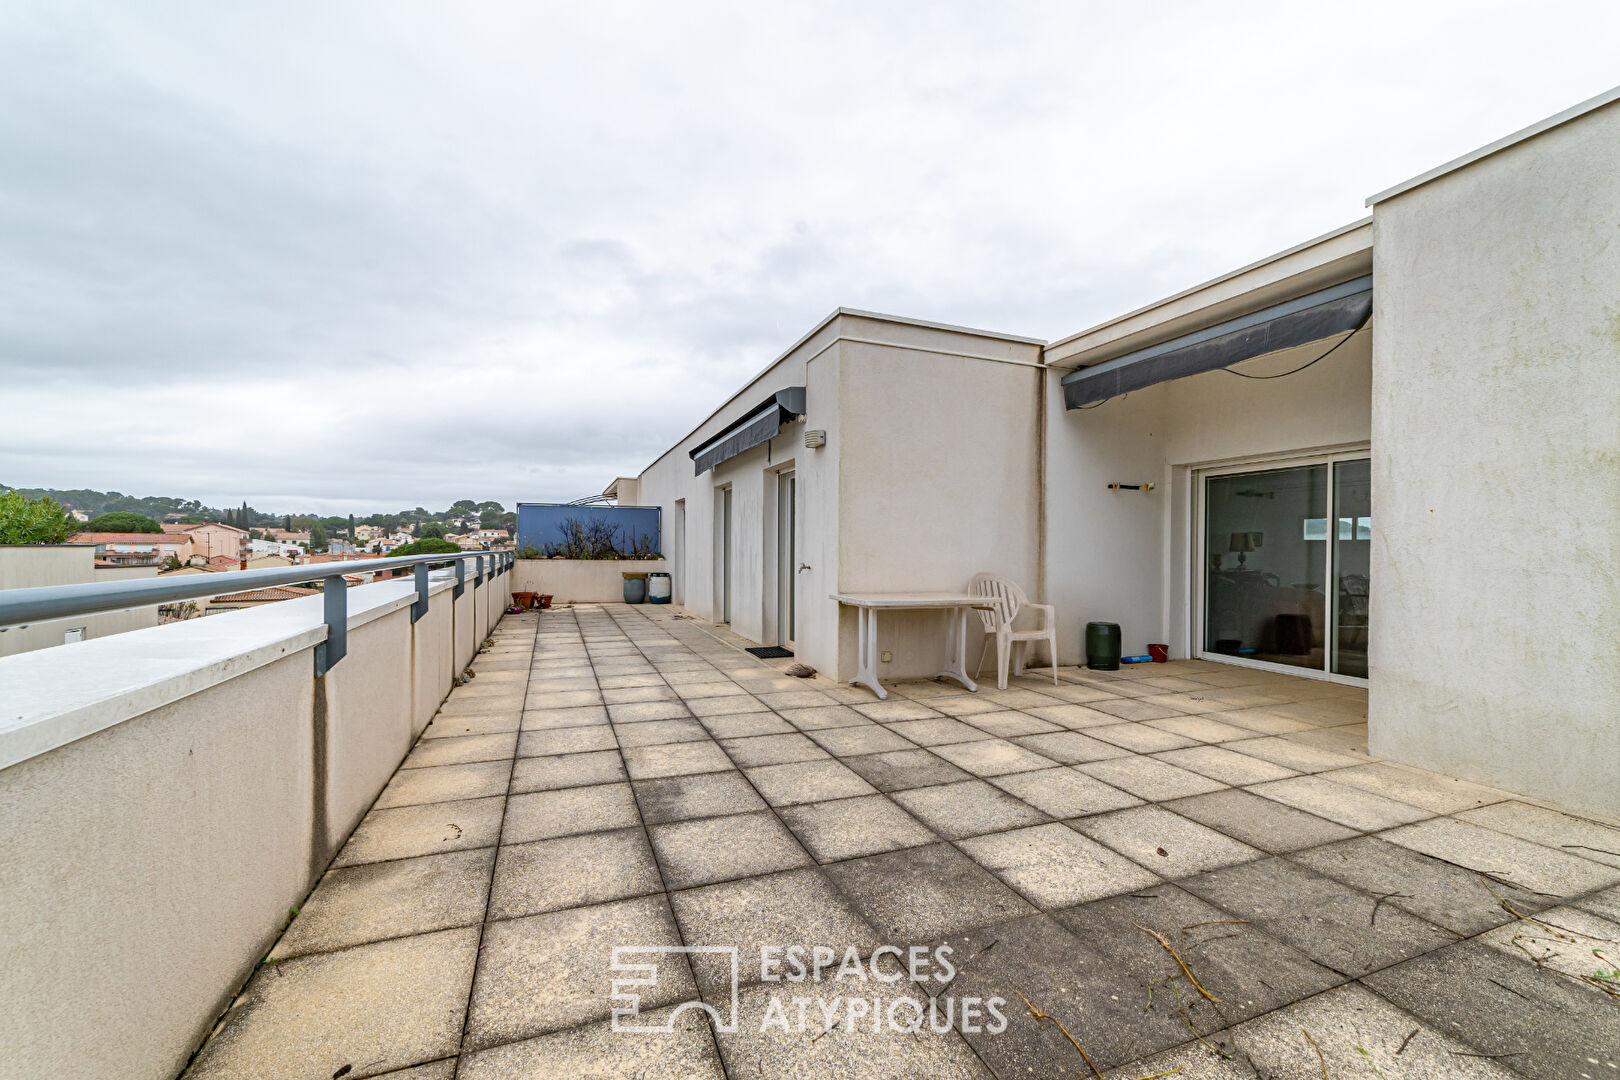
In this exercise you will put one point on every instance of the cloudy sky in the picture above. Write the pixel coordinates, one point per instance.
(364, 256)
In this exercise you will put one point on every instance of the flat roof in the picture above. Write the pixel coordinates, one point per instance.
(818, 328)
(1608, 97)
(1317, 259)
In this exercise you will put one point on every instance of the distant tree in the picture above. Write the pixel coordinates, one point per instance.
(33, 521)
(489, 519)
(432, 530)
(495, 506)
(286, 522)
(351, 526)
(317, 537)
(428, 545)
(463, 506)
(123, 521)
(508, 522)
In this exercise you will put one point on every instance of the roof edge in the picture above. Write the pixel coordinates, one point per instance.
(1592, 104)
(1343, 230)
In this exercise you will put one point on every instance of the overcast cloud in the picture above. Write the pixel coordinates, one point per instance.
(367, 256)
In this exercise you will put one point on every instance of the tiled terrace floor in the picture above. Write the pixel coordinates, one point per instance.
(618, 776)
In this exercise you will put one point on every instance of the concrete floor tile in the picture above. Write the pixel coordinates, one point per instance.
(1354, 1032)
(597, 1052)
(1542, 869)
(1165, 843)
(460, 750)
(796, 699)
(371, 902)
(544, 973)
(1139, 738)
(1548, 1026)
(1577, 943)
(894, 710)
(445, 783)
(1219, 763)
(1134, 709)
(1262, 823)
(543, 815)
(567, 770)
(660, 732)
(1149, 778)
(569, 740)
(692, 691)
(701, 851)
(1261, 721)
(745, 725)
(859, 739)
(1333, 924)
(1202, 729)
(903, 769)
(772, 750)
(637, 711)
(1052, 866)
(1075, 717)
(1070, 747)
(993, 757)
(921, 894)
(965, 705)
(659, 691)
(1069, 981)
(451, 727)
(561, 699)
(1346, 805)
(766, 1052)
(822, 716)
(368, 1009)
(939, 731)
(1605, 903)
(1298, 756)
(1064, 793)
(850, 828)
(428, 829)
(1009, 723)
(970, 808)
(794, 907)
(679, 798)
(1580, 837)
(546, 719)
(572, 871)
(1445, 894)
(621, 682)
(675, 759)
(1020, 698)
(724, 706)
(1249, 970)
(807, 782)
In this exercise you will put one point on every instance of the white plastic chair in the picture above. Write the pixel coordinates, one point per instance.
(1008, 600)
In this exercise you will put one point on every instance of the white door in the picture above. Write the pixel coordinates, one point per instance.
(787, 561)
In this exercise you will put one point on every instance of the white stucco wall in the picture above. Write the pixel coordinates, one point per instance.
(1496, 483)
(1126, 556)
(36, 566)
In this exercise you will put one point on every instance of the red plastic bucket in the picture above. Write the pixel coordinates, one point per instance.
(1160, 653)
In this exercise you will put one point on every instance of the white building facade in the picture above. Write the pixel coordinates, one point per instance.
(1204, 471)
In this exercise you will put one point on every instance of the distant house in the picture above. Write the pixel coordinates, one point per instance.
(135, 549)
(213, 538)
(288, 536)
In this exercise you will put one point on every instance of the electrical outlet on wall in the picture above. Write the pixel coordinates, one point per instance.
(886, 658)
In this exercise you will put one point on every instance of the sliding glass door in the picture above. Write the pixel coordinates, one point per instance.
(1285, 563)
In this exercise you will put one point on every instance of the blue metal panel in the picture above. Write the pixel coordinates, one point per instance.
(542, 524)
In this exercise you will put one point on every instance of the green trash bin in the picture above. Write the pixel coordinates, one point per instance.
(1102, 646)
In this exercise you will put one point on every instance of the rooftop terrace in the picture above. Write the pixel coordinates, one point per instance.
(1187, 869)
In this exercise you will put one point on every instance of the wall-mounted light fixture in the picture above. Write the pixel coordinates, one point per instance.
(815, 438)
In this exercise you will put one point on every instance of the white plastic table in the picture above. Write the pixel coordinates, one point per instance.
(955, 606)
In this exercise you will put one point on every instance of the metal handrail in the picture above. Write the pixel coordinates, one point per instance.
(22, 607)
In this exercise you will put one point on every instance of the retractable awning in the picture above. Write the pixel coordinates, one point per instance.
(757, 427)
(1282, 326)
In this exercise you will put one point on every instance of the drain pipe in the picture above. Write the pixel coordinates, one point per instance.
(1041, 375)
